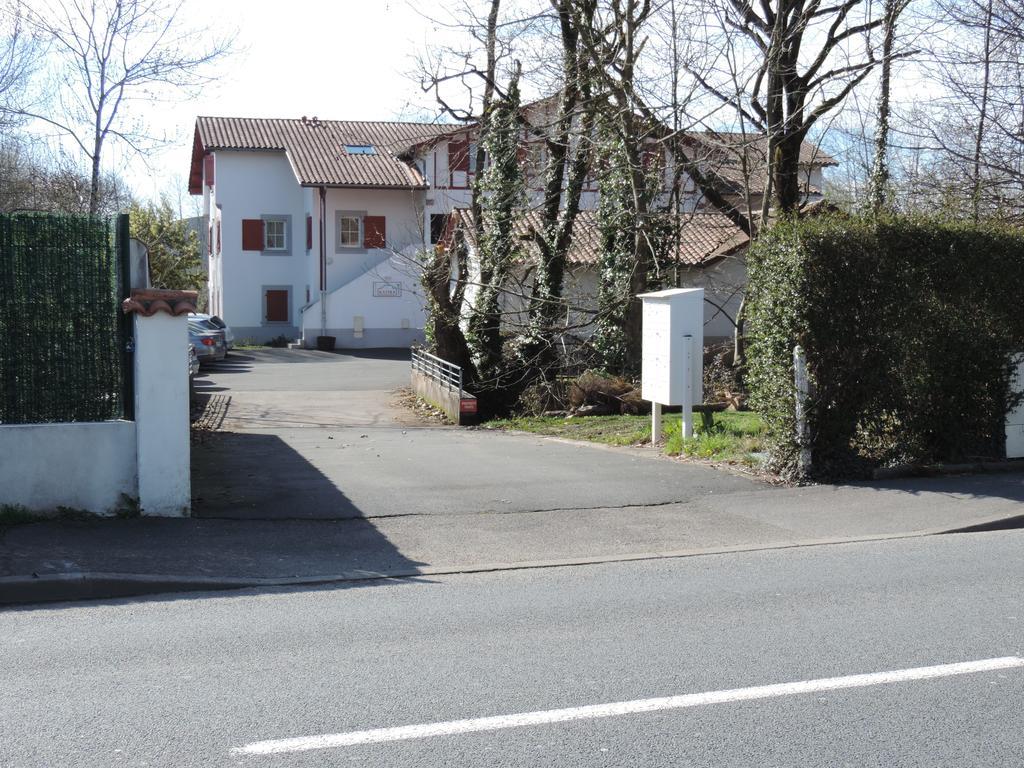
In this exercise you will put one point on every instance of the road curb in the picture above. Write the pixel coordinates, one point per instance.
(66, 587)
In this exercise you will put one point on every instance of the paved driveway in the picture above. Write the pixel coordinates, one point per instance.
(312, 435)
(330, 475)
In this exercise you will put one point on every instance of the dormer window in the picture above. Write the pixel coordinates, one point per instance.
(360, 149)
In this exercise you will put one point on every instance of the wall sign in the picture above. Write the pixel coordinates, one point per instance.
(387, 290)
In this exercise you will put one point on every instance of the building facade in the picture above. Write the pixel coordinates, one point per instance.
(318, 228)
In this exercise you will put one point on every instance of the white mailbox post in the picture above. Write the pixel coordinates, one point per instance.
(672, 369)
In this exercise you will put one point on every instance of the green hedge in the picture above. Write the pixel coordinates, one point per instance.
(909, 328)
(61, 339)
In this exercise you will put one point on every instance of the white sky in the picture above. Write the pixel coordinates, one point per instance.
(340, 60)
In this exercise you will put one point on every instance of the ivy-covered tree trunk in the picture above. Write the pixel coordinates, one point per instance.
(568, 152)
(502, 202)
(443, 331)
(878, 195)
(445, 270)
(616, 260)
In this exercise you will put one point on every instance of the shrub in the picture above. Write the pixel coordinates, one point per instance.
(909, 327)
(593, 388)
(278, 341)
(721, 384)
(533, 400)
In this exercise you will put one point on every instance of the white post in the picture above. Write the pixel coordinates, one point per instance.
(803, 388)
(688, 386)
(161, 400)
(655, 423)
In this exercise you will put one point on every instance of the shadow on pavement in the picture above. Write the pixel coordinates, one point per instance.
(236, 362)
(1007, 524)
(257, 476)
(121, 593)
(1007, 485)
(104, 558)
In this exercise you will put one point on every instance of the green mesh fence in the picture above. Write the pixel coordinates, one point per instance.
(62, 353)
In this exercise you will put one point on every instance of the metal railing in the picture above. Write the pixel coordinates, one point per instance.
(441, 371)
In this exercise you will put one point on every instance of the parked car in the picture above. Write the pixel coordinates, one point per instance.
(193, 361)
(207, 342)
(216, 322)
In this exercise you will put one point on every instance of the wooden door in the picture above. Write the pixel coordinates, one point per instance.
(277, 306)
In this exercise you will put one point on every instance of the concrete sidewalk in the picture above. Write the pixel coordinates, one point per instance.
(57, 561)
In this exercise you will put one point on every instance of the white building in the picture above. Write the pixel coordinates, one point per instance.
(317, 227)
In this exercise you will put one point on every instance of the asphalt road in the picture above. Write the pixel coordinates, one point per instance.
(182, 681)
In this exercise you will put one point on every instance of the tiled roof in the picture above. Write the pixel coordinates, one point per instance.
(732, 143)
(703, 235)
(316, 149)
(720, 154)
(148, 302)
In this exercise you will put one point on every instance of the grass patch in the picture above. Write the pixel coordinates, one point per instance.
(611, 430)
(15, 514)
(735, 435)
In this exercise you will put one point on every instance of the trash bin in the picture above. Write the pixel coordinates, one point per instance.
(325, 343)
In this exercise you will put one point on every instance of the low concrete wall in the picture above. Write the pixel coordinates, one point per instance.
(85, 465)
(462, 412)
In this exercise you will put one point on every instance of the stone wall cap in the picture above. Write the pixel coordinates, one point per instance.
(149, 301)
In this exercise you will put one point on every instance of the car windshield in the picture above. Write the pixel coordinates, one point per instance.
(202, 325)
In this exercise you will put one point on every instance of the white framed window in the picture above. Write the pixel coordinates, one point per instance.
(349, 232)
(275, 234)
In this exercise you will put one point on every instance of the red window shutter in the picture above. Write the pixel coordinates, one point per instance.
(458, 155)
(277, 306)
(252, 234)
(208, 170)
(374, 234)
(309, 233)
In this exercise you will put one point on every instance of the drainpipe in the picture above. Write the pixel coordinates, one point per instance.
(323, 261)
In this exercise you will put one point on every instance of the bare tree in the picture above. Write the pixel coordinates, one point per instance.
(106, 54)
(963, 150)
(806, 57)
(35, 179)
(18, 60)
(567, 146)
(475, 89)
(880, 169)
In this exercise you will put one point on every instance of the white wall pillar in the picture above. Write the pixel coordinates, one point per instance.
(162, 400)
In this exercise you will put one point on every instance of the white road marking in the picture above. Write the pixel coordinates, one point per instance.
(546, 717)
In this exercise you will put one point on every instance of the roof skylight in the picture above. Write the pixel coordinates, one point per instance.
(360, 149)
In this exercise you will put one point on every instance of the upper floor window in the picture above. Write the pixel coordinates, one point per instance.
(275, 235)
(348, 232)
(360, 149)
